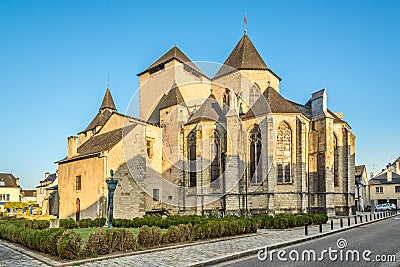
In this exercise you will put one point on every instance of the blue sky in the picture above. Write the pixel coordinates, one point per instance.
(55, 56)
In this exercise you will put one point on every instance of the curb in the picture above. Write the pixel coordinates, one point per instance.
(254, 251)
(216, 260)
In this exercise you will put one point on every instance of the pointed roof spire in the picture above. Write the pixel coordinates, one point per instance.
(173, 97)
(210, 110)
(108, 101)
(243, 57)
(173, 53)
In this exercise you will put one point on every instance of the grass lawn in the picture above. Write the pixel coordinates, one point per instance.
(85, 232)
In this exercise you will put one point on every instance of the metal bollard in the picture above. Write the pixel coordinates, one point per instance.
(355, 219)
(348, 221)
(306, 229)
(366, 218)
(370, 217)
(360, 219)
(341, 223)
(331, 224)
(320, 228)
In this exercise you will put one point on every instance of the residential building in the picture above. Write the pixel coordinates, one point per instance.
(47, 194)
(9, 189)
(385, 186)
(28, 195)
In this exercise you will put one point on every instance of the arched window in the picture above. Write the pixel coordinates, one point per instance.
(215, 154)
(335, 162)
(192, 159)
(284, 153)
(255, 155)
(254, 94)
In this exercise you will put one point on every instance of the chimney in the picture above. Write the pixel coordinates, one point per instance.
(340, 115)
(17, 181)
(389, 175)
(319, 104)
(371, 174)
(46, 174)
(72, 146)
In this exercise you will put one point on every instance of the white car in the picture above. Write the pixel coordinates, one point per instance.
(392, 206)
(382, 207)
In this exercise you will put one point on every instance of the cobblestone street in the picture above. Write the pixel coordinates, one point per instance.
(10, 257)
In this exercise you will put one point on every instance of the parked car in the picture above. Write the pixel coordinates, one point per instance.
(392, 206)
(382, 207)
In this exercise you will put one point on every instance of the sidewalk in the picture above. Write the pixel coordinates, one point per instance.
(215, 251)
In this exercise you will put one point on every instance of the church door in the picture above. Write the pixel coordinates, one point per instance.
(78, 210)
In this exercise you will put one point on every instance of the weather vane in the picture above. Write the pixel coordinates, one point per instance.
(244, 22)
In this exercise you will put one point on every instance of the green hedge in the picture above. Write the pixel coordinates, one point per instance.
(108, 241)
(67, 244)
(21, 222)
(83, 223)
(42, 240)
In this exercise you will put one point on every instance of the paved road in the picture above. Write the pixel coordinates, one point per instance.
(381, 238)
(10, 257)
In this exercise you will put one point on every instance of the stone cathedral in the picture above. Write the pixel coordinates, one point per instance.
(226, 143)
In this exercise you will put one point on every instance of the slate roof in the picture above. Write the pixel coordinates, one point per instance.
(8, 179)
(210, 110)
(243, 57)
(28, 193)
(305, 110)
(108, 101)
(270, 101)
(107, 108)
(359, 170)
(377, 181)
(173, 53)
(99, 120)
(173, 97)
(51, 177)
(103, 142)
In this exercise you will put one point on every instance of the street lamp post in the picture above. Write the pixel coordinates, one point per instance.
(111, 184)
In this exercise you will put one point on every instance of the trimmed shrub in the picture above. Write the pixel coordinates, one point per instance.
(85, 223)
(200, 231)
(173, 235)
(48, 239)
(149, 236)
(301, 220)
(122, 240)
(186, 232)
(317, 219)
(98, 243)
(324, 218)
(69, 245)
(68, 223)
(99, 222)
(280, 222)
(37, 224)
